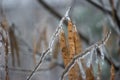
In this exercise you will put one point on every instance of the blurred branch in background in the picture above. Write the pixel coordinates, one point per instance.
(58, 15)
(116, 17)
(118, 5)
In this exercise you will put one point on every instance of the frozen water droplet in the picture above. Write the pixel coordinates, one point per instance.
(102, 52)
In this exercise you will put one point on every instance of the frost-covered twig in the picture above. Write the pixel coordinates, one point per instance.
(50, 44)
(74, 60)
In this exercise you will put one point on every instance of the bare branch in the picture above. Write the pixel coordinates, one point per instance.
(71, 64)
(117, 20)
(50, 44)
(99, 7)
(58, 15)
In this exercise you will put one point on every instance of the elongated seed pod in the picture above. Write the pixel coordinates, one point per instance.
(74, 72)
(71, 44)
(77, 41)
(64, 48)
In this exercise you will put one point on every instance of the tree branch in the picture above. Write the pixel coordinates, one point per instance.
(73, 61)
(58, 15)
(117, 20)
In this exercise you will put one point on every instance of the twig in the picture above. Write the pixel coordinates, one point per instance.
(114, 13)
(50, 44)
(41, 59)
(99, 7)
(58, 15)
(71, 64)
(117, 20)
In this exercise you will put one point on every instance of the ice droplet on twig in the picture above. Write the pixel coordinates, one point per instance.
(96, 55)
(50, 45)
(90, 58)
(66, 16)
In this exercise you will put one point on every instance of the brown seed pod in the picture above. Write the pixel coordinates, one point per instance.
(77, 41)
(64, 48)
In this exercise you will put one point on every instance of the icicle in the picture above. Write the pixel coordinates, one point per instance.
(81, 69)
(102, 51)
(67, 13)
(50, 44)
(90, 58)
(96, 56)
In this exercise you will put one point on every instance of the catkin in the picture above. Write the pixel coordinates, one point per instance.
(64, 48)
(78, 49)
(77, 41)
(73, 74)
(71, 44)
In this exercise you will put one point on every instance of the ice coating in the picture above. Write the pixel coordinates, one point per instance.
(81, 69)
(90, 59)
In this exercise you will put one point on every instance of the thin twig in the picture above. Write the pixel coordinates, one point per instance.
(50, 44)
(71, 64)
(58, 15)
(99, 7)
(117, 20)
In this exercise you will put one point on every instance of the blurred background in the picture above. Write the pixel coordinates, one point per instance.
(35, 21)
